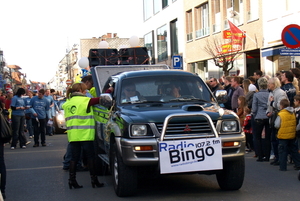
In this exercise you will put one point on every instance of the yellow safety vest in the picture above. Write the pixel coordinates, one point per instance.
(93, 92)
(80, 124)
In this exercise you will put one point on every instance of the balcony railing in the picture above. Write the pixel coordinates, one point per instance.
(202, 32)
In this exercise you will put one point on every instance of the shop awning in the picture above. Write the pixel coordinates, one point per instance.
(271, 51)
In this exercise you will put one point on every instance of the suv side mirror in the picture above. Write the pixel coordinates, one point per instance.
(106, 100)
(221, 96)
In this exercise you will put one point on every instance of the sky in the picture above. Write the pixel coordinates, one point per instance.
(35, 34)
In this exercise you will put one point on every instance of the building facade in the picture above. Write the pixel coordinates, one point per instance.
(199, 21)
(282, 14)
(164, 30)
(206, 22)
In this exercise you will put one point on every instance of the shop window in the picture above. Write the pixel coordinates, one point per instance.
(148, 40)
(162, 46)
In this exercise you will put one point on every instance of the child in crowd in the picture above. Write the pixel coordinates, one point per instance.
(286, 125)
(248, 130)
(240, 111)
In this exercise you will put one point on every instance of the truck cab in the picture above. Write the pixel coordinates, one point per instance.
(163, 121)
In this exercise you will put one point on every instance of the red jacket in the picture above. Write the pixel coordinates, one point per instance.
(247, 124)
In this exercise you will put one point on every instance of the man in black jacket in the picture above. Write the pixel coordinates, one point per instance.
(287, 81)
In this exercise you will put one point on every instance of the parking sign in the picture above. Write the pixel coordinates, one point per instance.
(177, 62)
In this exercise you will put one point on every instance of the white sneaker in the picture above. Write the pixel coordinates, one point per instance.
(28, 142)
(272, 157)
(23, 147)
(30, 137)
(12, 148)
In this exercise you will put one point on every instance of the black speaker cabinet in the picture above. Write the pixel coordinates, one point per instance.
(103, 57)
(133, 56)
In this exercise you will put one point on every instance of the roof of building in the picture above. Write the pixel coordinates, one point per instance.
(14, 66)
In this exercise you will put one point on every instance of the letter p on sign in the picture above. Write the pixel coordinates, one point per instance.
(177, 62)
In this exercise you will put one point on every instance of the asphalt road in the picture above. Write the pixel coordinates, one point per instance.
(35, 174)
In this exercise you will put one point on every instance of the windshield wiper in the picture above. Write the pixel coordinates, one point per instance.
(141, 101)
(188, 99)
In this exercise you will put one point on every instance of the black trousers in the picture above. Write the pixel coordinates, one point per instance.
(39, 129)
(2, 168)
(88, 150)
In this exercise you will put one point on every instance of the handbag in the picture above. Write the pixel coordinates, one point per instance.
(5, 129)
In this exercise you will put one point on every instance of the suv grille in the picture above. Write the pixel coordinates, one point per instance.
(187, 129)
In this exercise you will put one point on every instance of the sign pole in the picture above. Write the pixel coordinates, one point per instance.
(293, 61)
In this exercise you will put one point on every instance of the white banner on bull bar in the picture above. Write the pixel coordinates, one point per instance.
(190, 155)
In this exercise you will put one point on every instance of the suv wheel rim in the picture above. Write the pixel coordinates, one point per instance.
(116, 175)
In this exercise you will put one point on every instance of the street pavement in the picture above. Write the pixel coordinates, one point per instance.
(35, 174)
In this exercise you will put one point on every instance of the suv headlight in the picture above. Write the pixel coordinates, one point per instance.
(229, 126)
(139, 130)
(60, 117)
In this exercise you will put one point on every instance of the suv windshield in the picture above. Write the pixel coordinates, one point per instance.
(164, 89)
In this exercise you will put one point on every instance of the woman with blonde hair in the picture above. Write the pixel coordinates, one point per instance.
(296, 84)
(275, 96)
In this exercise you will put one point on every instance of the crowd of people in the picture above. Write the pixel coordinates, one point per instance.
(269, 113)
(268, 110)
(26, 114)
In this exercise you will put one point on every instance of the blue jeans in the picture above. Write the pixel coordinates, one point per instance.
(285, 147)
(18, 130)
(274, 142)
(29, 127)
(68, 157)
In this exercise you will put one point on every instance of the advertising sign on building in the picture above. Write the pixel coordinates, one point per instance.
(289, 52)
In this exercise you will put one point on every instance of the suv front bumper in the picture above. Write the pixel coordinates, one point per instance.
(132, 157)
